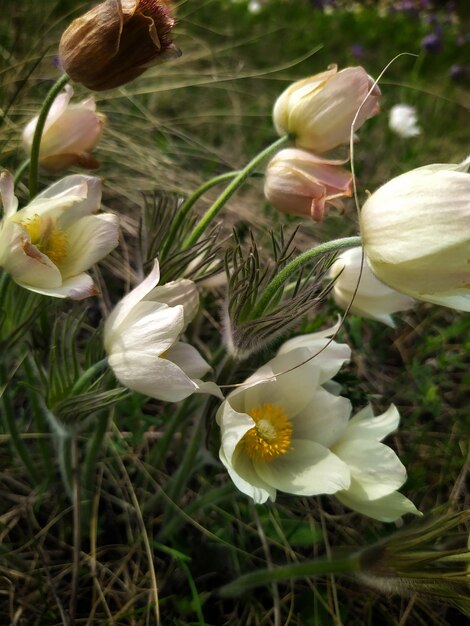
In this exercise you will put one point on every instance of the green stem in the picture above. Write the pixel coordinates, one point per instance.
(88, 375)
(346, 565)
(237, 182)
(64, 447)
(20, 171)
(294, 266)
(187, 206)
(36, 144)
(93, 449)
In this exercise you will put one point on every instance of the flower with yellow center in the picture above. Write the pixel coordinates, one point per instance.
(49, 244)
(285, 430)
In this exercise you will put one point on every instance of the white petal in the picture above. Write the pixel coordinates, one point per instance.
(308, 469)
(89, 240)
(246, 479)
(188, 359)
(149, 326)
(365, 426)
(458, 299)
(324, 419)
(376, 469)
(58, 107)
(126, 304)
(75, 288)
(208, 387)
(86, 191)
(386, 509)
(151, 375)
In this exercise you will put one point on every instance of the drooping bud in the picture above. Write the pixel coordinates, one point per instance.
(117, 41)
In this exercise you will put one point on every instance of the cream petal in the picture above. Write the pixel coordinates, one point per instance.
(364, 425)
(308, 469)
(208, 387)
(150, 375)
(76, 288)
(76, 131)
(188, 359)
(126, 304)
(246, 480)
(72, 197)
(88, 241)
(375, 467)
(58, 107)
(457, 299)
(149, 327)
(324, 420)
(386, 509)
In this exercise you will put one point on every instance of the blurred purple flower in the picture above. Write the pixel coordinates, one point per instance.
(432, 43)
(357, 50)
(459, 73)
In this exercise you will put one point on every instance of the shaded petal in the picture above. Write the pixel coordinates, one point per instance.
(178, 292)
(208, 387)
(386, 509)
(188, 359)
(75, 288)
(324, 419)
(376, 469)
(233, 426)
(308, 469)
(88, 241)
(246, 479)
(151, 375)
(7, 194)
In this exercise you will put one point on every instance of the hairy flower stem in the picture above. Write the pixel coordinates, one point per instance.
(295, 265)
(36, 144)
(321, 567)
(187, 206)
(77, 537)
(237, 182)
(88, 375)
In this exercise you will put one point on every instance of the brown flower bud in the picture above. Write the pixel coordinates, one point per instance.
(117, 41)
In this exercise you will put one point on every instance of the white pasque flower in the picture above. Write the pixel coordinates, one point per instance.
(372, 298)
(70, 133)
(49, 244)
(416, 234)
(283, 430)
(141, 337)
(404, 121)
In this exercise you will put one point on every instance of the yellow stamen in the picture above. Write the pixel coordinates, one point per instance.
(272, 434)
(47, 238)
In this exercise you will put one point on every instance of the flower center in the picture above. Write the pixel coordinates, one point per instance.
(271, 436)
(47, 238)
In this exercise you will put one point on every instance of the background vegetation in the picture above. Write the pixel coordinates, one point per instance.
(161, 527)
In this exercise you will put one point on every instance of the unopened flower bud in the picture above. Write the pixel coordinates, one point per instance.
(302, 183)
(320, 111)
(70, 133)
(117, 41)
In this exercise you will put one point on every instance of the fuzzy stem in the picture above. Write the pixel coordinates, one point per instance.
(187, 206)
(237, 182)
(294, 266)
(36, 144)
(345, 565)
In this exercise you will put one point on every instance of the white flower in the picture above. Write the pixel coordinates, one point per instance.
(404, 121)
(141, 337)
(49, 244)
(372, 298)
(70, 133)
(320, 110)
(416, 234)
(284, 431)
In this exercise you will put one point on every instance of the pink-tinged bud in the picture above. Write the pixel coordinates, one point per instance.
(319, 111)
(304, 184)
(117, 41)
(70, 133)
